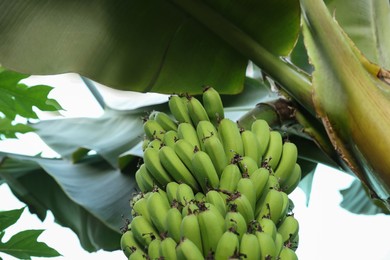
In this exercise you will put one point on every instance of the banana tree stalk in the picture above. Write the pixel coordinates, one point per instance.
(353, 104)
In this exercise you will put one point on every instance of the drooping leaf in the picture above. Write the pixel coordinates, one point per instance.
(8, 218)
(128, 37)
(356, 200)
(24, 244)
(306, 183)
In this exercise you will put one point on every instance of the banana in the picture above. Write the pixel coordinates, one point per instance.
(228, 245)
(247, 165)
(190, 228)
(176, 168)
(184, 193)
(204, 171)
(292, 182)
(168, 249)
(129, 244)
(267, 246)
(262, 131)
(171, 190)
(268, 226)
(188, 132)
(173, 222)
(272, 206)
(243, 206)
(199, 196)
(214, 148)
(287, 254)
(215, 198)
(144, 179)
(179, 110)
(140, 209)
(190, 208)
(144, 232)
(211, 229)
(137, 255)
(259, 178)
(213, 105)
(234, 219)
(145, 143)
(154, 166)
(287, 162)
(285, 208)
(249, 247)
(170, 138)
(154, 249)
(205, 129)
(229, 178)
(251, 145)
(155, 143)
(187, 250)
(153, 130)
(230, 136)
(245, 186)
(272, 184)
(196, 110)
(274, 150)
(278, 243)
(185, 151)
(289, 229)
(158, 209)
(165, 121)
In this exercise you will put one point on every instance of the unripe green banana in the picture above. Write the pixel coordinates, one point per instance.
(140, 209)
(187, 250)
(140, 181)
(170, 138)
(274, 151)
(262, 130)
(145, 143)
(228, 245)
(188, 132)
(185, 151)
(204, 171)
(230, 136)
(278, 243)
(196, 110)
(268, 226)
(259, 178)
(287, 162)
(144, 179)
(247, 165)
(179, 110)
(292, 182)
(243, 206)
(211, 229)
(213, 105)
(229, 178)
(245, 186)
(129, 244)
(153, 130)
(165, 121)
(285, 207)
(272, 184)
(158, 209)
(144, 231)
(249, 247)
(184, 193)
(190, 229)
(267, 246)
(168, 249)
(154, 249)
(214, 148)
(176, 168)
(154, 166)
(234, 219)
(171, 190)
(287, 254)
(215, 198)
(205, 129)
(289, 228)
(251, 146)
(272, 206)
(200, 196)
(137, 255)
(155, 144)
(173, 222)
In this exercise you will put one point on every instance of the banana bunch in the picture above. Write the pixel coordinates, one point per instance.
(211, 189)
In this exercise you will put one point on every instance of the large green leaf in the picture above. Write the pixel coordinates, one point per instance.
(128, 45)
(90, 197)
(8, 218)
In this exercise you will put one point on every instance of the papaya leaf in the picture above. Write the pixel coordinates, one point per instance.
(8, 129)
(8, 218)
(128, 37)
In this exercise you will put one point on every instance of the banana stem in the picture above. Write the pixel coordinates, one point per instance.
(294, 81)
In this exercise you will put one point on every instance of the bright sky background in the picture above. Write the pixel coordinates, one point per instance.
(326, 230)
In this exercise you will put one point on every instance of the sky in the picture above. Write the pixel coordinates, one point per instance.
(326, 230)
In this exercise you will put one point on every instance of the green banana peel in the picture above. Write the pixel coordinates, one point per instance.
(351, 101)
